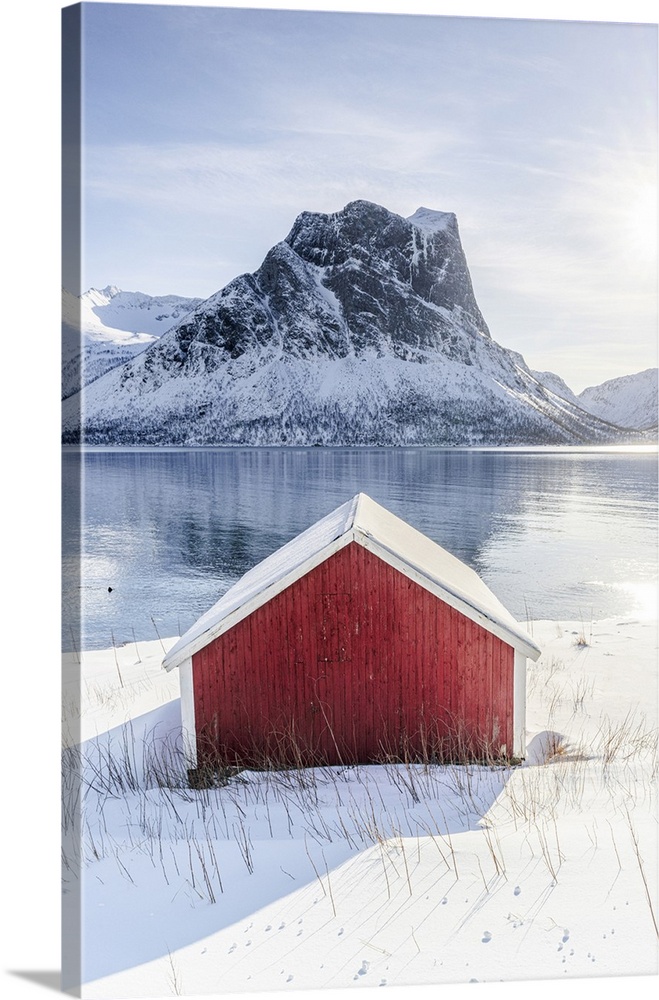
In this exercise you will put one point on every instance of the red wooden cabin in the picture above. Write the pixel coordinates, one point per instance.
(359, 640)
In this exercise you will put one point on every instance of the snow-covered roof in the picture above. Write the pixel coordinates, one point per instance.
(364, 521)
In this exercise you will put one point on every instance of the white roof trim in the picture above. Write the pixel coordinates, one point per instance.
(195, 639)
(387, 536)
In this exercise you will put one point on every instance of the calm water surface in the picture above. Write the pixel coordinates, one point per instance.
(561, 534)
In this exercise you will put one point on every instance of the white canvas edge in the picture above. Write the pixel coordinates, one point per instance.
(519, 706)
(188, 725)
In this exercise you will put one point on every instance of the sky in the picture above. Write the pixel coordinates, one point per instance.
(207, 130)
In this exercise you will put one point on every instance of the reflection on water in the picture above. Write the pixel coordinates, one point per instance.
(556, 534)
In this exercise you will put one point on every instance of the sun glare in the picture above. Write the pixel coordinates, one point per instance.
(644, 594)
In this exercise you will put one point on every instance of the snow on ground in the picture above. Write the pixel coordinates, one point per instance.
(372, 876)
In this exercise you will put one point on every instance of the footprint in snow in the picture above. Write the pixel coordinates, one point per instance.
(363, 970)
(269, 927)
(566, 935)
(290, 979)
(516, 891)
(444, 901)
(282, 925)
(486, 937)
(233, 947)
(383, 982)
(340, 932)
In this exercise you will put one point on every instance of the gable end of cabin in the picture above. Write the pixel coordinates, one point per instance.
(354, 662)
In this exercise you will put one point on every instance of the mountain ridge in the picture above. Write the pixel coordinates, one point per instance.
(628, 400)
(104, 328)
(360, 327)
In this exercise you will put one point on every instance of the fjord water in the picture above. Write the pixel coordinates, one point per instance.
(160, 534)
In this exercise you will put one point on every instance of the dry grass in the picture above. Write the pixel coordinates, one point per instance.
(439, 782)
(164, 814)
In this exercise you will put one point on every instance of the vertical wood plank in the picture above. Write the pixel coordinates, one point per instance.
(384, 658)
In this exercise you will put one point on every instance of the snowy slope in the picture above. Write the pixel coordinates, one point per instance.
(106, 327)
(361, 327)
(384, 875)
(558, 386)
(110, 314)
(629, 401)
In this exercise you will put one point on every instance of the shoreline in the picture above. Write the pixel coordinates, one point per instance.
(650, 447)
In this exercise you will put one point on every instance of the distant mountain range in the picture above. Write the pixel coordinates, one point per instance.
(360, 328)
(104, 328)
(630, 401)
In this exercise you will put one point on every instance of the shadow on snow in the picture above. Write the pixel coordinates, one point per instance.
(166, 866)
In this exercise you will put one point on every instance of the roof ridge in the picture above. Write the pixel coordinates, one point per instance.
(353, 512)
(379, 527)
(359, 509)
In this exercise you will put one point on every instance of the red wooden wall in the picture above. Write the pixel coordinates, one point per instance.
(352, 663)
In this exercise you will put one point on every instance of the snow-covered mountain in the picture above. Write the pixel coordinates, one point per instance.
(106, 327)
(361, 327)
(557, 385)
(629, 401)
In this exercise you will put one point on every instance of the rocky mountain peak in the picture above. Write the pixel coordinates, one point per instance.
(431, 221)
(360, 327)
